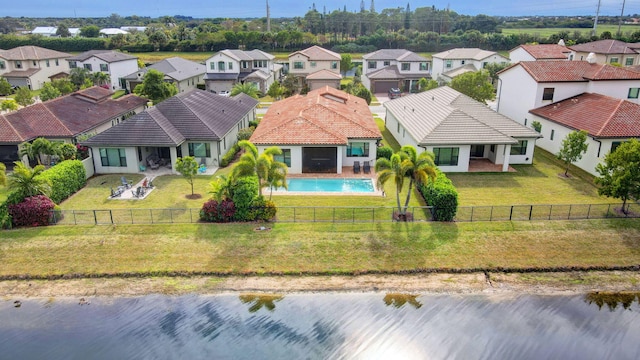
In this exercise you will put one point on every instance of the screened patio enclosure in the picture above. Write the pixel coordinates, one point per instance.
(319, 160)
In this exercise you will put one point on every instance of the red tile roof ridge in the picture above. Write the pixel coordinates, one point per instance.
(613, 114)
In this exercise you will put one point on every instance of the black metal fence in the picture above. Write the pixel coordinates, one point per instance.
(348, 214)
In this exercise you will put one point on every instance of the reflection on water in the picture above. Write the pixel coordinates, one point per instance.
(322, 326)
(612, 300)
(259, 301)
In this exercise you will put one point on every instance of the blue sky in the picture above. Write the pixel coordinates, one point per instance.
(287, 8)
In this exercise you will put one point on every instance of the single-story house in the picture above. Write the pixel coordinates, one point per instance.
(86, 112)
(608, 120)
(194, 123)
(458, 130)
(320, 132)
(183, 73)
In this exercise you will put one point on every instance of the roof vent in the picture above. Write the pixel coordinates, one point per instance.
(591, 58)
(223, 111)
(561, 42)
(433, 98)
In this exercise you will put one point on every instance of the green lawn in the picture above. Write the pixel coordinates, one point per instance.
(539, 183)
(317, 248)
(546, 32)
(387, 138)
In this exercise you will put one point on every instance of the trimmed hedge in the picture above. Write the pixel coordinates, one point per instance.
(384, 152)
(66, 178)
(245, 191)
(263, 209)
(33, 211)
(229, 156)
(442, 195)
(213, 211)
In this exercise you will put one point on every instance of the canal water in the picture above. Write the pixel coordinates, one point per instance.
(323, 326)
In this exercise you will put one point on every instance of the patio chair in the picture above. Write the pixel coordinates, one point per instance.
(366, 167)
(152, 164)
(115, 193)
(202, 169)
(138, 192)
(124, 182)
(356, 167)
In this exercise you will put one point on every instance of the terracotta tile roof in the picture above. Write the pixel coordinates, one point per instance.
(547, 51)
(600, 115)
(605, 47)
(561, 71)
(318, 53)
(31, 53)
(66, 116)
(324, 116)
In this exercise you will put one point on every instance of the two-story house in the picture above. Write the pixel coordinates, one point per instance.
(316, 67)
(229, 67)
(113, 63)
(183, 73)
(393, 68)
(539, 52)
(531, 84)
(451, 63)
(608, 52)
(32, 66)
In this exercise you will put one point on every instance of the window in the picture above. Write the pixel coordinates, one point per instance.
(73, 64)
(213, 65)
(372, 65)
(358, 149)
(492, 148)
(553, 132)
(484, 64)
(221, 66)
(334, 65)
(18, 64)
(628, 61)
(613, 60)
(387, 63)
(104, 67)
(547, 94)
(35, 63)
(614, 145)
(244, 64)
(446, 156)
(424, 66)
(230, 65)
(199, 150)
(57, 63)
(406, 66)
(633, 93)
(398, 130)
(448, 64)
(298, 65)
(462, 62)
(88, 67)
(46, 62)
(2, 65)
(284, 158)
(260, 63)
(520, 148)
(313, 64)
(113, 157)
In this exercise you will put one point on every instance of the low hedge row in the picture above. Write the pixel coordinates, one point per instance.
(442, 195)
(65, 178)
(229, 156)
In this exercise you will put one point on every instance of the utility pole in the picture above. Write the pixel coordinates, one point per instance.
(595, 23)
(620, 22)
(268, 18)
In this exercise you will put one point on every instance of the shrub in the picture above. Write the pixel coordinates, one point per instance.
(245, 191)
(214, 211)
(254, 123)
(245, 134)
(263, 209)
(33, 211)
(229, 156)
(5, 216)
(384, 152)
(56, 215)
(442, 195)
(66, 178)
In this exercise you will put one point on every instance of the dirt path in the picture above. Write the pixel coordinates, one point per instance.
(495, 283)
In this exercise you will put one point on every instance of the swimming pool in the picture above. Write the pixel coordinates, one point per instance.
(331, 185)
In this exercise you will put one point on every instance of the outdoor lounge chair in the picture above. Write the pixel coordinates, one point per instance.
(125, 183)
(356, 167)
(116, 193)
(138, 192)
(366, 168)
(152, 164)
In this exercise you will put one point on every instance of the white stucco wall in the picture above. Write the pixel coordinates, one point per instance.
(519, 54)
(226, 59)
(618, 89)
(517, 94)
(402, 136)
(464, 153)
(132, 162)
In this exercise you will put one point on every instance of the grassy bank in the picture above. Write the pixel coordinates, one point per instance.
(546, 32)
(317, 248)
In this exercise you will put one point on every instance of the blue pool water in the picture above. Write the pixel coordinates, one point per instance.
(331, 185)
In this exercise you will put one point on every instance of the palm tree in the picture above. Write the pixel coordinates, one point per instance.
(253, 164)
(221, 187)
(277, 176)
(406, 163)
(100, 78)
(248, 88)
(26, 182)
